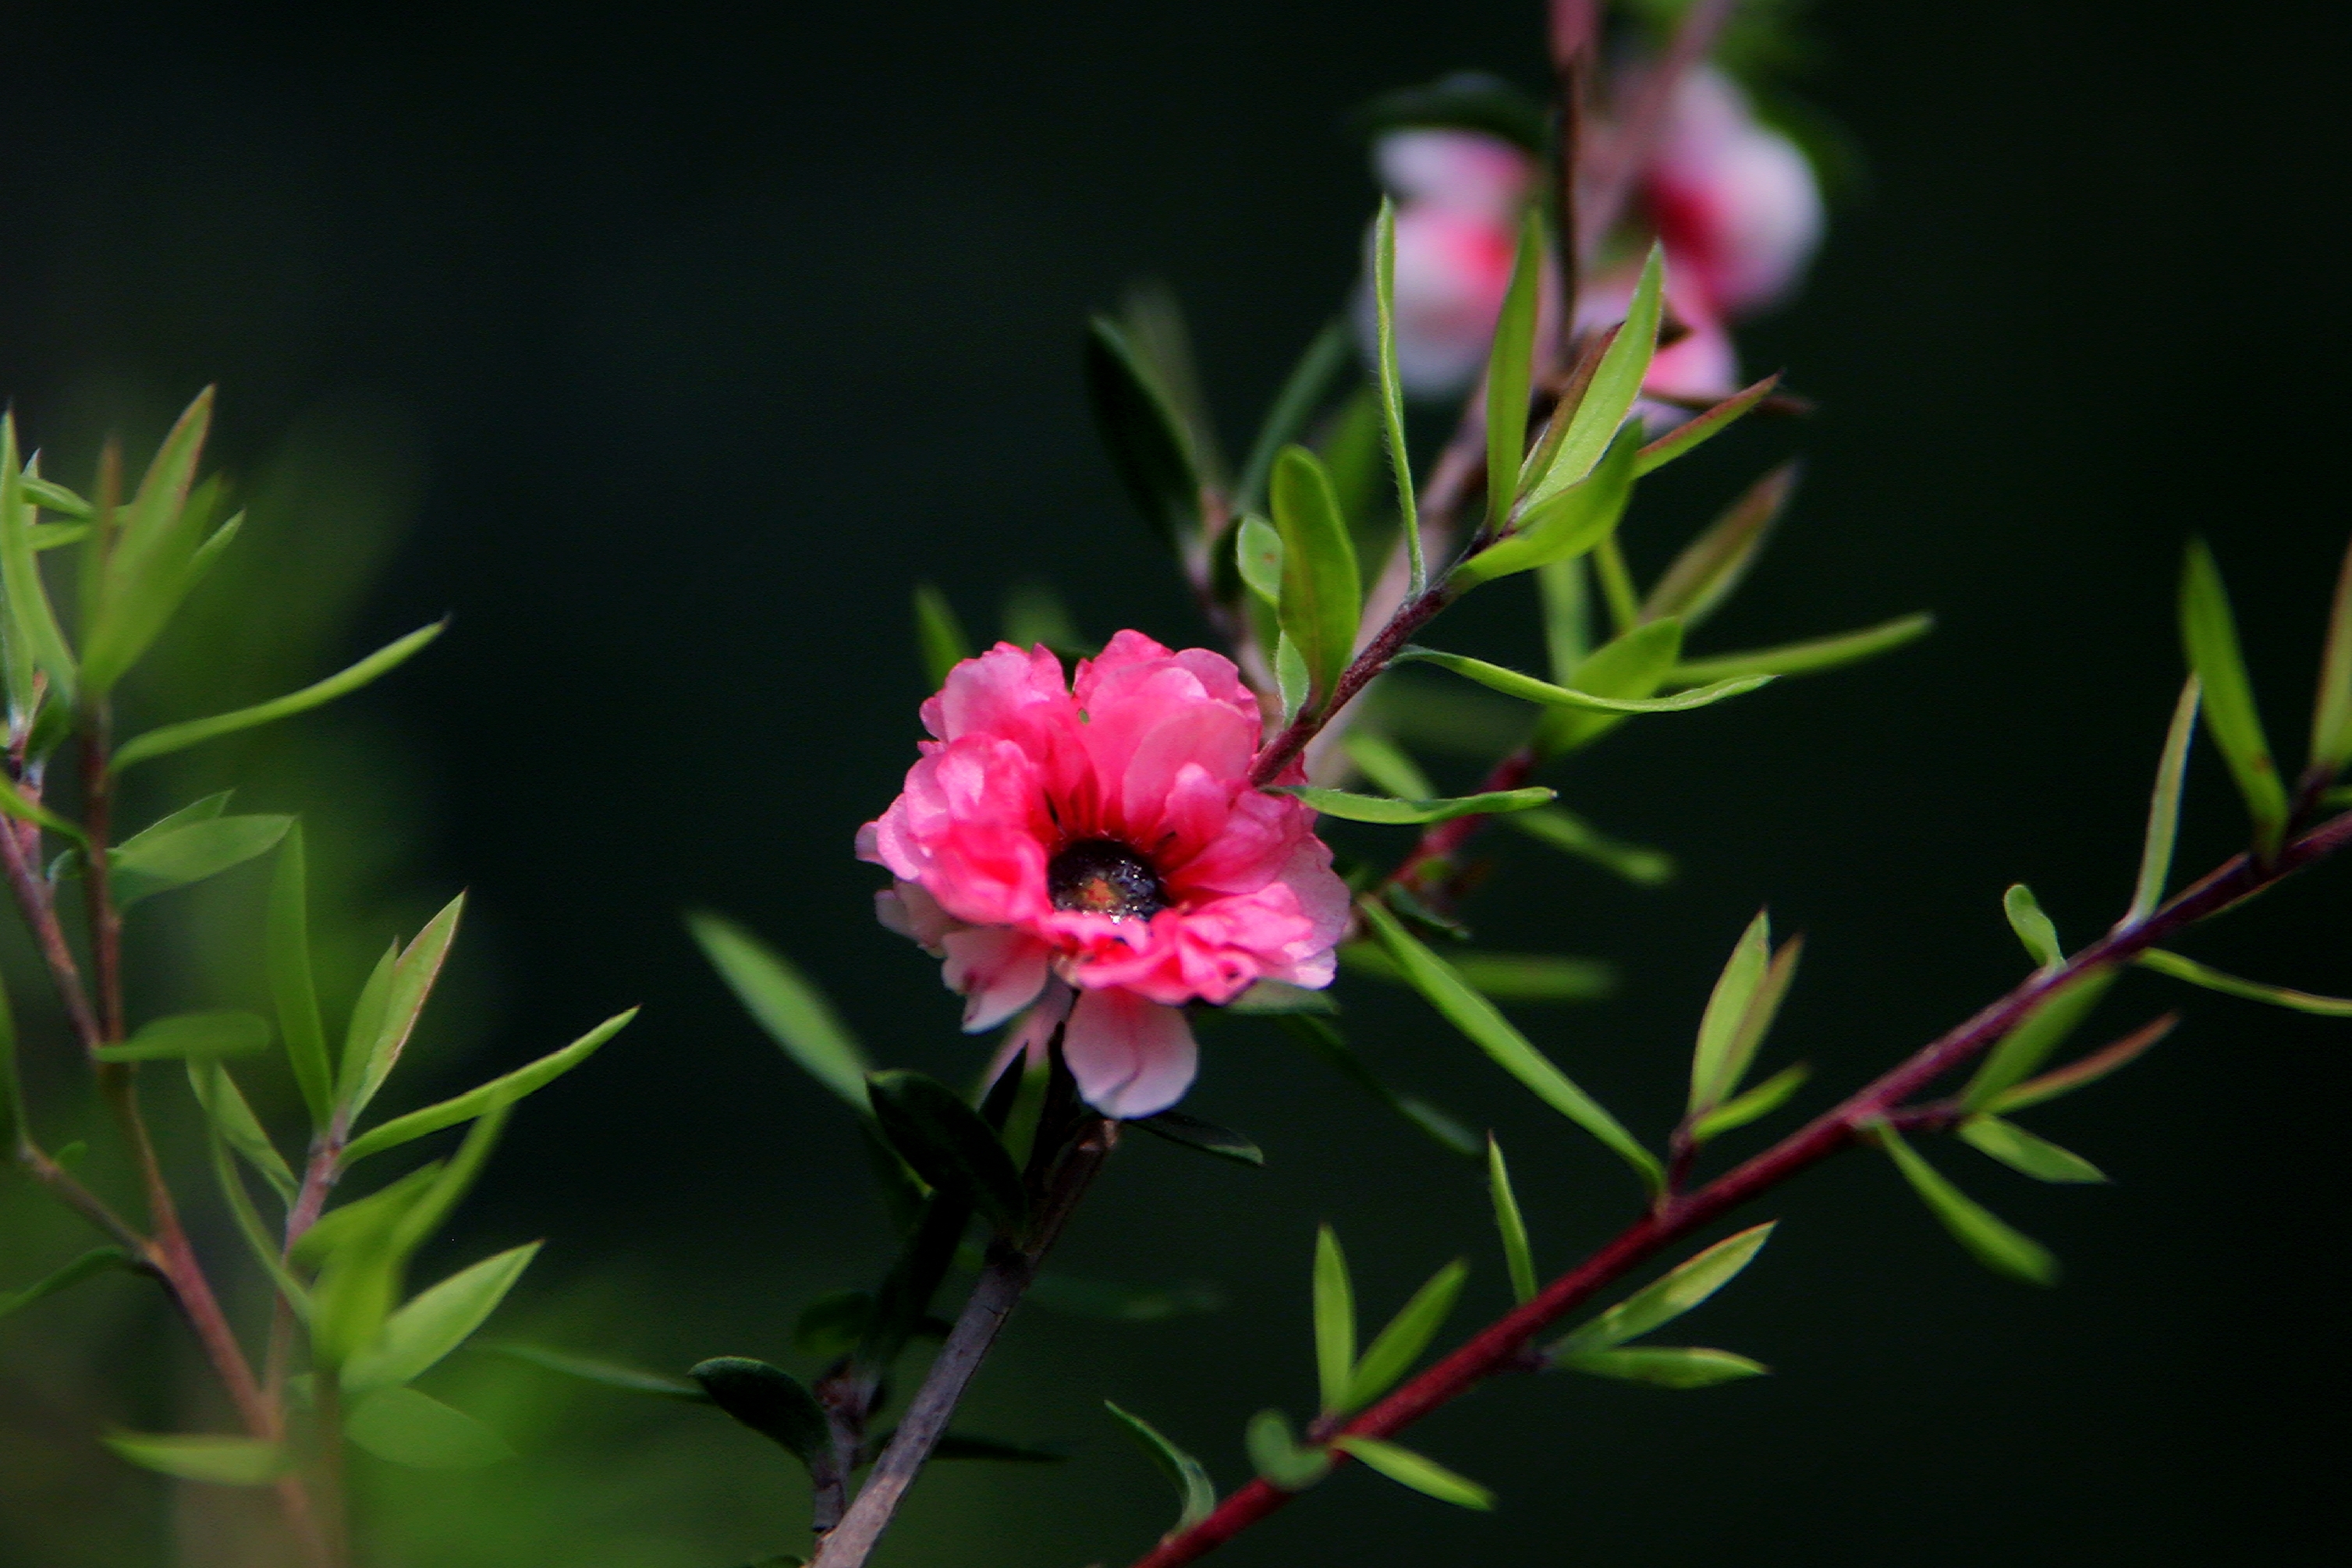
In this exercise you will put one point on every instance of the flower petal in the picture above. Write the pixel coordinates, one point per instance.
(999, 971)
(1131, 1057)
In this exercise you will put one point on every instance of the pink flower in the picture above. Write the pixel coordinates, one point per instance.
(1459, 194)
(1734, 200)
(1094, 854)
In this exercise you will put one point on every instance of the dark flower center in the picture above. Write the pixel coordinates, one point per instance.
(1103, 877)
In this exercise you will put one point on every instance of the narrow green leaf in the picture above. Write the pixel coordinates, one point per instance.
(769, 1401)
(1423, 1474)
(1713, 564)
(1144, 433)
(588, 1369)
(1565, 524)
(2088, 1070)
(2163, 807)
(2212, 979)
(2024, 1049)
(1335, 1321)
(1396, 1347)
(1714, 1073)
(1567, 617)
(1442, 1129)
(437, 1321)
(1385, 763)
(2331, 712)
(1666, 1366)
(1310, 383)
(219, 1034)
(402, 1427)
(938, 634)
(1277, 1456)
(792, 1010)
(53, 497)
(1593, 422)
(1518, 1256)
(1500, 976)
(1352, 807)
(1196, 1494)
(947, 1144)
(1510, 364)
(225, 1106)
(1393, 390)
(1322, 595)
(1632, 665)
(1986, 1238)
(366, 1021)
(409, 985)
(1683, 1288)
(1704, 428)
(146, 566)
(195, 732)
(2021, 1150)
(1808, 657)
(286, 941)
(1193, 1133)
(32, 622)
(364, 1216)
(221, 1461)
(57, 535)
(2032, 927)
(96, 1261)
(504, 1089)
(1742, 1109)
(2210, 633)
(1571, 835)
(1526, 688)
(1112, 1301)
(1476, 1017)
(258, 1240)
(12, 802)
(169, 857)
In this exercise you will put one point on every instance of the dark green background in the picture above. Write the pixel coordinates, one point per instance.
(711, 331)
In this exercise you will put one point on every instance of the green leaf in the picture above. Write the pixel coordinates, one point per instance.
(793, 1011)
(286, 941)
(1808, 658)
(1293, 681)
(170, 855)
(947, 1144)
(435, 1322)
(1423, 1474)
(1335, 1321)
(1324, 1041)
(938, 634)
(2024, 1049)
(1258, 555)
(1393, 390)
(224, 1106)
(50, 496)
(1209, 1138)
(2163, 807)
(1571, 835)
(57, 535)
(12, 802)
(1681, 1288)
(2331, 712)
(504, 1089)
(1633, 664)
(1384, 762)
(1271, 998)
(1277, 1456)
(258, 1240)
(368, 1059)
(96, 1261)
(219, 1034)
(1310, 383)
(1593, 422)
(1352, 807)
(1706, 426)
(2032, 927)
(2021, 1150)
(32, 622)
(1666, 1366)
(1476, 1017)
(363, 1216)
(2088, 1070)
(1399, 1345)
(1714, 1072)
(1564, 525)
(1110, 1301)
(195, 732)
(1500, 976)
(1518, 1257)
(402, 1427)
(2210, 633)
(588, 1369)
(1510, 368)
(1567, 599)
(769, 1401)
(1322, 595)
(1196, 1494)
(1986, 1238)
(2212, 979)
(221, 1461)
(1742, 1109)
(1713, 564)
(1144, 433)
(1526, 688)
(148, 565)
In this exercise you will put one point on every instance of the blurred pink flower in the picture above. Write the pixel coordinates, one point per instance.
(1459, 194)
(1734, 200)
(1095, 854)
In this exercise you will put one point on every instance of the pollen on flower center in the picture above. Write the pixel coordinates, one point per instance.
(1103, 877)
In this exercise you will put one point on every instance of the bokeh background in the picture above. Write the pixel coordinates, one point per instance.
(668, 348)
